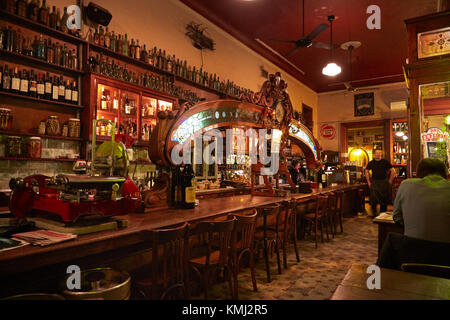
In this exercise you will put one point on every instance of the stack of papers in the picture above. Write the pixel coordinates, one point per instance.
(44, 237)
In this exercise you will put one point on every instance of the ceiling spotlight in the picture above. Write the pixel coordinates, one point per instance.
(331, 69)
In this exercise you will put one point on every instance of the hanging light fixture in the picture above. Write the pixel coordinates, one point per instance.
(331, 69)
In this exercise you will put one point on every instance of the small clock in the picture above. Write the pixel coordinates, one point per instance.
(280, 113)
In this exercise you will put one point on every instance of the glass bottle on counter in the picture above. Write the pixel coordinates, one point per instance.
(188, 187)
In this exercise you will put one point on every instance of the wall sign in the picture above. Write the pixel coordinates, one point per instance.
(433, 43)
(364, 104)
(327, 131)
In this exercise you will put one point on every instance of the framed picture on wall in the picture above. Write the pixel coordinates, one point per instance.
(378, 145)
(364, 104)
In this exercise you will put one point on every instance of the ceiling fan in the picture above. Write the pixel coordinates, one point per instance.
(307, 41)
(349, 46)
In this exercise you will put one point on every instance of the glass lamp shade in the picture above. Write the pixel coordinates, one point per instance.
(332, 69)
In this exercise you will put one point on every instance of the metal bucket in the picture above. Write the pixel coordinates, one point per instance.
(36, 296)
(100, 284)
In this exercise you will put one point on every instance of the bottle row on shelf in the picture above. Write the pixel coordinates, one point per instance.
(40, 48)
(43, 86)
(42, 14)
(165, 84)
(160, 60)
(400, 147)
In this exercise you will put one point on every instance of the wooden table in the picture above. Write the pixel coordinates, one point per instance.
(395, 285)
(386, 226)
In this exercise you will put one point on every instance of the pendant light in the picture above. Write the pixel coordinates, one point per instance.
(331, 69)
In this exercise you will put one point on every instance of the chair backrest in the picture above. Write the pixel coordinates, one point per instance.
(270, 215)
(218, 233)
(169, 257)
(427, 269)
(321, 206)
(339, 199)
(332, 199)
(245, 229)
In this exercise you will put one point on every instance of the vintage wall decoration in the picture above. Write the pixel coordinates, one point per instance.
(364, 104)
(199, 40)
(433, 43)
(327, 131)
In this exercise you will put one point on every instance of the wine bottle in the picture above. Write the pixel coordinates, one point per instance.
(58, 19)
(137, 49)
(55, 88)
(68, 93)
(22, 8)
(33, 10)
(107, 39)
(33, 85)
(63, 22)
(48, 87)
(125, 46)
(101, 37)
(52, 18)
(15, 81)
(24, 83)
(44, 14)
(144, 54)
(62, 90)
(74, 93)
(113, 45)
(188, 187)
(40, 87)
(132, 49)
(6, 81)
(1, 77)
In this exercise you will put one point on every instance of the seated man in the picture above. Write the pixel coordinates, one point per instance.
(422, 204)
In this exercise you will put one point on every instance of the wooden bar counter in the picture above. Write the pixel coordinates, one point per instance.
(122, 248)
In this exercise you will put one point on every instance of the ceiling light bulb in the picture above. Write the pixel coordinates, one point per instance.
(331, 70)
(400, 134)
(405, 138)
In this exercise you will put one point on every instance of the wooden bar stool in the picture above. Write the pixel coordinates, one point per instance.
(245, 234)
(218, 248)
(285, 228)
(317, 218)
(331, 213)
(169, 263)
(269, 232)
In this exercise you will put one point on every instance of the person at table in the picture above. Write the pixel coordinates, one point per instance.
(298, 174)
(379, 183)
(422, 204)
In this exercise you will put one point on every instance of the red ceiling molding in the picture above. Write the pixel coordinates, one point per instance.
(251, 43)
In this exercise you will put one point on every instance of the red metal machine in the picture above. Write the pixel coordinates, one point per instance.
(107, 191)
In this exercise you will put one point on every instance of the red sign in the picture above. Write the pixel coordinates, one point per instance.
(328, 132)
(432, 134)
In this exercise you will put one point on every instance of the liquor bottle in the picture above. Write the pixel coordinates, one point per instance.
(6, 81)
(44, 14)
(15, 81)
(53, 18)
(101, 37)
(113, 45)
(58, 19)
(27, 48)
(125, 46)
(48, 87)
(50, 52)
(177, 187)
(127, 105)
(40, 87)
(74, 93)
(137, 49)
(119, 48)
(33, 10)
(22, 8)
(24, 83)
(1, 77)
(33, 85)
(58, 53)
(107, 39)
(68, 92)
(55, 88)
(64, 57)
(17, 41)
(132, 49)
(188, 187)
(144, 54)
(61, 90)
(169, 64)
(63, 22)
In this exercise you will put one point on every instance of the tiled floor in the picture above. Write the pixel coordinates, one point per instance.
(319, 271)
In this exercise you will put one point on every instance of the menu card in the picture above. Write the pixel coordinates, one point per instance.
(44, 237)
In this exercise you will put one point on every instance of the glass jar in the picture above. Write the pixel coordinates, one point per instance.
(52, 126)
(35, 147)
(13, 146)
(74, 128)
(42, 126)
(5, 118)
